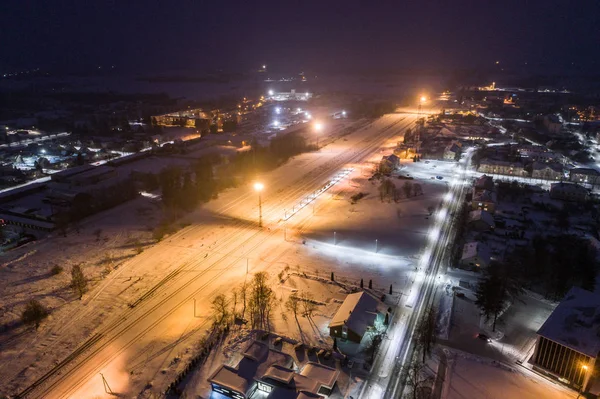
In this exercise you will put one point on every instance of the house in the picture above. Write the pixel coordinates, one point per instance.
(584, 175)
(357, 315)
(452, 151)
(389, 163)
(497, 167)
(484, 182)
(267, 373)
(480, 220)
(546, 171)
(568, 344)
(568, 192)
(475, 255)
(484, 200)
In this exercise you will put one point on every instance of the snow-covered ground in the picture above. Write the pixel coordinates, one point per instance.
(469, 376)
(139, 344)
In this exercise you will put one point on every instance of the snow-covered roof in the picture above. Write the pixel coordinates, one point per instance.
(472, 249)
(575, 323)
(259, 362)
(482, 215)
(392, 158)
(584, 171)
(485, 182)
(278, 373)
(257, 359)
(324, 375)
(484, 196)
(541, 166)
(358, 312)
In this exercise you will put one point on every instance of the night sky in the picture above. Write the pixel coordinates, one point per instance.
(347, 35)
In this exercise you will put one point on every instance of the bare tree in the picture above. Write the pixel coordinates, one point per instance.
(219, 307)
(78, 281)
(260, 301)
(293, 305)
(417, 189)
(234, 300)
(308, 306)
(387, 189)
(243, 297)
(34, 313)
(417, 379)
(407, 188)
(426, 332)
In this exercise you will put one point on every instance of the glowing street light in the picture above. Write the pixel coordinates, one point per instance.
(278, 110)
(318, 126)
(584, 367)
(423, 99)
(259, 187)
(271, 92)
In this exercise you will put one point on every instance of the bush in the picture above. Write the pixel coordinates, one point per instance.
(34, 313)
(56, 269)
(357, 197)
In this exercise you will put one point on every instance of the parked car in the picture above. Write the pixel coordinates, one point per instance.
(439, 177)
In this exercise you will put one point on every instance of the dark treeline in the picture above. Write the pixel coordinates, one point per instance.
(262, 159)
(185, 188)
(552, 265)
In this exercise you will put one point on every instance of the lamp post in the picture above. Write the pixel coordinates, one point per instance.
(585, 369)
(422, 100)
(318, 128)
(258, 187)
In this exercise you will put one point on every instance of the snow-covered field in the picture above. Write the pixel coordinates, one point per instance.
(221, 240)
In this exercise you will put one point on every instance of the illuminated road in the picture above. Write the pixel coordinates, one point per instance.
(386, 379)
(196, 264)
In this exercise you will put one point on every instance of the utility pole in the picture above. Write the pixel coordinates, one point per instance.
(106, 386)
(334, 241)
(259, 210)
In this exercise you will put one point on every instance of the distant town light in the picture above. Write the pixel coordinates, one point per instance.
(276, 123)
(343, 113)
(264, 66)
(271, 93)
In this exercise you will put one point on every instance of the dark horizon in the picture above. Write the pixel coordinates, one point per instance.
(529, 37)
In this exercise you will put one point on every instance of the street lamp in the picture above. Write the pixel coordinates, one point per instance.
(318, 128)
(258, 187)
(585, 368)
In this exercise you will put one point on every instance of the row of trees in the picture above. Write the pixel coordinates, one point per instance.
(256, 298)
(388, 190)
